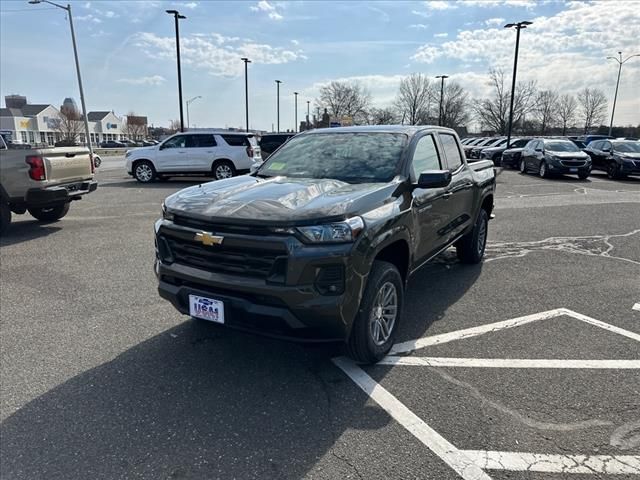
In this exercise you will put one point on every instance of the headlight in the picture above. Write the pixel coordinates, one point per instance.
(166, 215)
(342, 232)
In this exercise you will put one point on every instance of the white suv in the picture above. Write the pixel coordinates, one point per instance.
(216, 154)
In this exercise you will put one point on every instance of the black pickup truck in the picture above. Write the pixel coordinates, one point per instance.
(320, 241)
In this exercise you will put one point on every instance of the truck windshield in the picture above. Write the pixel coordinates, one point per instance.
(350, 157)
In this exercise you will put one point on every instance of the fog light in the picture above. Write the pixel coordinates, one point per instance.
(330, 280)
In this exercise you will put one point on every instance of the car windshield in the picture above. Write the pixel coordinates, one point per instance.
(350, 157)
(627, 147)
(561, 146)
(520, 143)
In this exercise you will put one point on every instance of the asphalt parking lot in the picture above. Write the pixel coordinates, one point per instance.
(523, 367)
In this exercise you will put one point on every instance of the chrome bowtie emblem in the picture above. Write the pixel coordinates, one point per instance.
(208, 238)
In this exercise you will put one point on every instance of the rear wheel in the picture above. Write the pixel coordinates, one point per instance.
(470, 248)
(50, 214)
(223, 169)
(374, 328)
(144, 172)
(5, 217)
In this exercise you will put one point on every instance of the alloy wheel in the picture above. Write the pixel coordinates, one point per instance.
(382, 319)
(144, 172)
(223, 171)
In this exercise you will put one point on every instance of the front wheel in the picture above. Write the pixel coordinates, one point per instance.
(470, 248)
(144, 172)
(613, 171)
(50, 214)
(374, 328)
(544, 170)
(97, 161)
(583, 175)
(523, 166)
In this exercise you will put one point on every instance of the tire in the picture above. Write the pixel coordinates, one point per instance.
(613, 171)
(544, 170)
(5, 217)
(369, 342)
(583, 175)
(223, 169)
(144, 171)
(50, 214)
(497, 160)
(522, 166)
(97, 161)
(470, 248)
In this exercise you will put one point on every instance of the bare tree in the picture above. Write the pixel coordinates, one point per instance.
(69, 126)
(593, 105)
(567, 108)
(345, 99)
(135, 126)
(455, 105)
(174, 126)
(546, 109)
(414, 101)
(493, 112)
(382, 116)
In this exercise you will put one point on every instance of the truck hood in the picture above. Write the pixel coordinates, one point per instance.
(279, 200)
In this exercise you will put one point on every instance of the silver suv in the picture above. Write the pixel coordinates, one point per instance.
(212, 153)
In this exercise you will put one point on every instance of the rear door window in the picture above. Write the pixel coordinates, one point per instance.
(202, 141)
(451, 150)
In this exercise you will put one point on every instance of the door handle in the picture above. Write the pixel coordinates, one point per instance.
(446, 195)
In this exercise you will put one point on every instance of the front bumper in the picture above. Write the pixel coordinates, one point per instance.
(291, 307)
(630, 168)
(59, 193)
(559, 168)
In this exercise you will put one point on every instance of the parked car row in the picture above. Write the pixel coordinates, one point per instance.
(128, 143)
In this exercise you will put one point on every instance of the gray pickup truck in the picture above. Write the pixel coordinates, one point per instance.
(319, 242)
(42, 182)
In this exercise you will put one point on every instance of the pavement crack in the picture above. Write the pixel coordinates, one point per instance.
(558, 427)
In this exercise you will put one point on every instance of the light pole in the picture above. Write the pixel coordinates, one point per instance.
(615, 97)
(278, 82)
(295, 130)
(75, 54)
(177, 16)
(188, 102)
(518, 26)
(441, 77)
(246, 90)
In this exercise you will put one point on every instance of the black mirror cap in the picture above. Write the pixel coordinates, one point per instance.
(434, 179)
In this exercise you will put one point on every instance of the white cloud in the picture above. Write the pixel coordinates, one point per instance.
(88, 18)
(110, 14)
(268, 8)
(418, 26)
(495, 21)
(421, 13)
(215, 53)
(295, 42)
(153, 80)
(441, 35)
(427, 54)
(528, 4)
(190, 5)
(439, 5)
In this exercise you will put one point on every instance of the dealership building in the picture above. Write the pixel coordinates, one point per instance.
(25, 123)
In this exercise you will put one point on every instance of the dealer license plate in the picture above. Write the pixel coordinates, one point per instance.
(573, 170)
(206, 308)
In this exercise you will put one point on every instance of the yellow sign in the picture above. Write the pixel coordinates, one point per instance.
(24, 123)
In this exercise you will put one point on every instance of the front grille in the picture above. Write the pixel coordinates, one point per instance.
(219, 228)
(249, 262)
(636, 163)
(573, 163)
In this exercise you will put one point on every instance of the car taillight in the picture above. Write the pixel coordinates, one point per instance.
(250, 151)
(93, 165)
(36, 167)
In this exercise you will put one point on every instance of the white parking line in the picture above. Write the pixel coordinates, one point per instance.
(411, 345)
(462, 464)
(598, 323)
(536, 462)
(510, 363)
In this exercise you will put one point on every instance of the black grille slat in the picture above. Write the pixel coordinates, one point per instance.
(248, 262)
(573, 163)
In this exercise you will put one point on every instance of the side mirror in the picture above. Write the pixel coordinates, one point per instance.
(606, 150)
(434, 179)
(539, 150)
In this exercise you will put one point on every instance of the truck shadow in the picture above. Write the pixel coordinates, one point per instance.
(199, 401)
(19, 232)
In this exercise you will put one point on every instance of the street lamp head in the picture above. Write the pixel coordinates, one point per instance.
(510, 25)
(35, 2)
(172, 12)
(295, 93)
(525, 23)
(181, 17)
(278, 81)
(245, 60)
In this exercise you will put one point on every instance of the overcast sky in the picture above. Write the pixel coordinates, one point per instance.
(127, 52)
